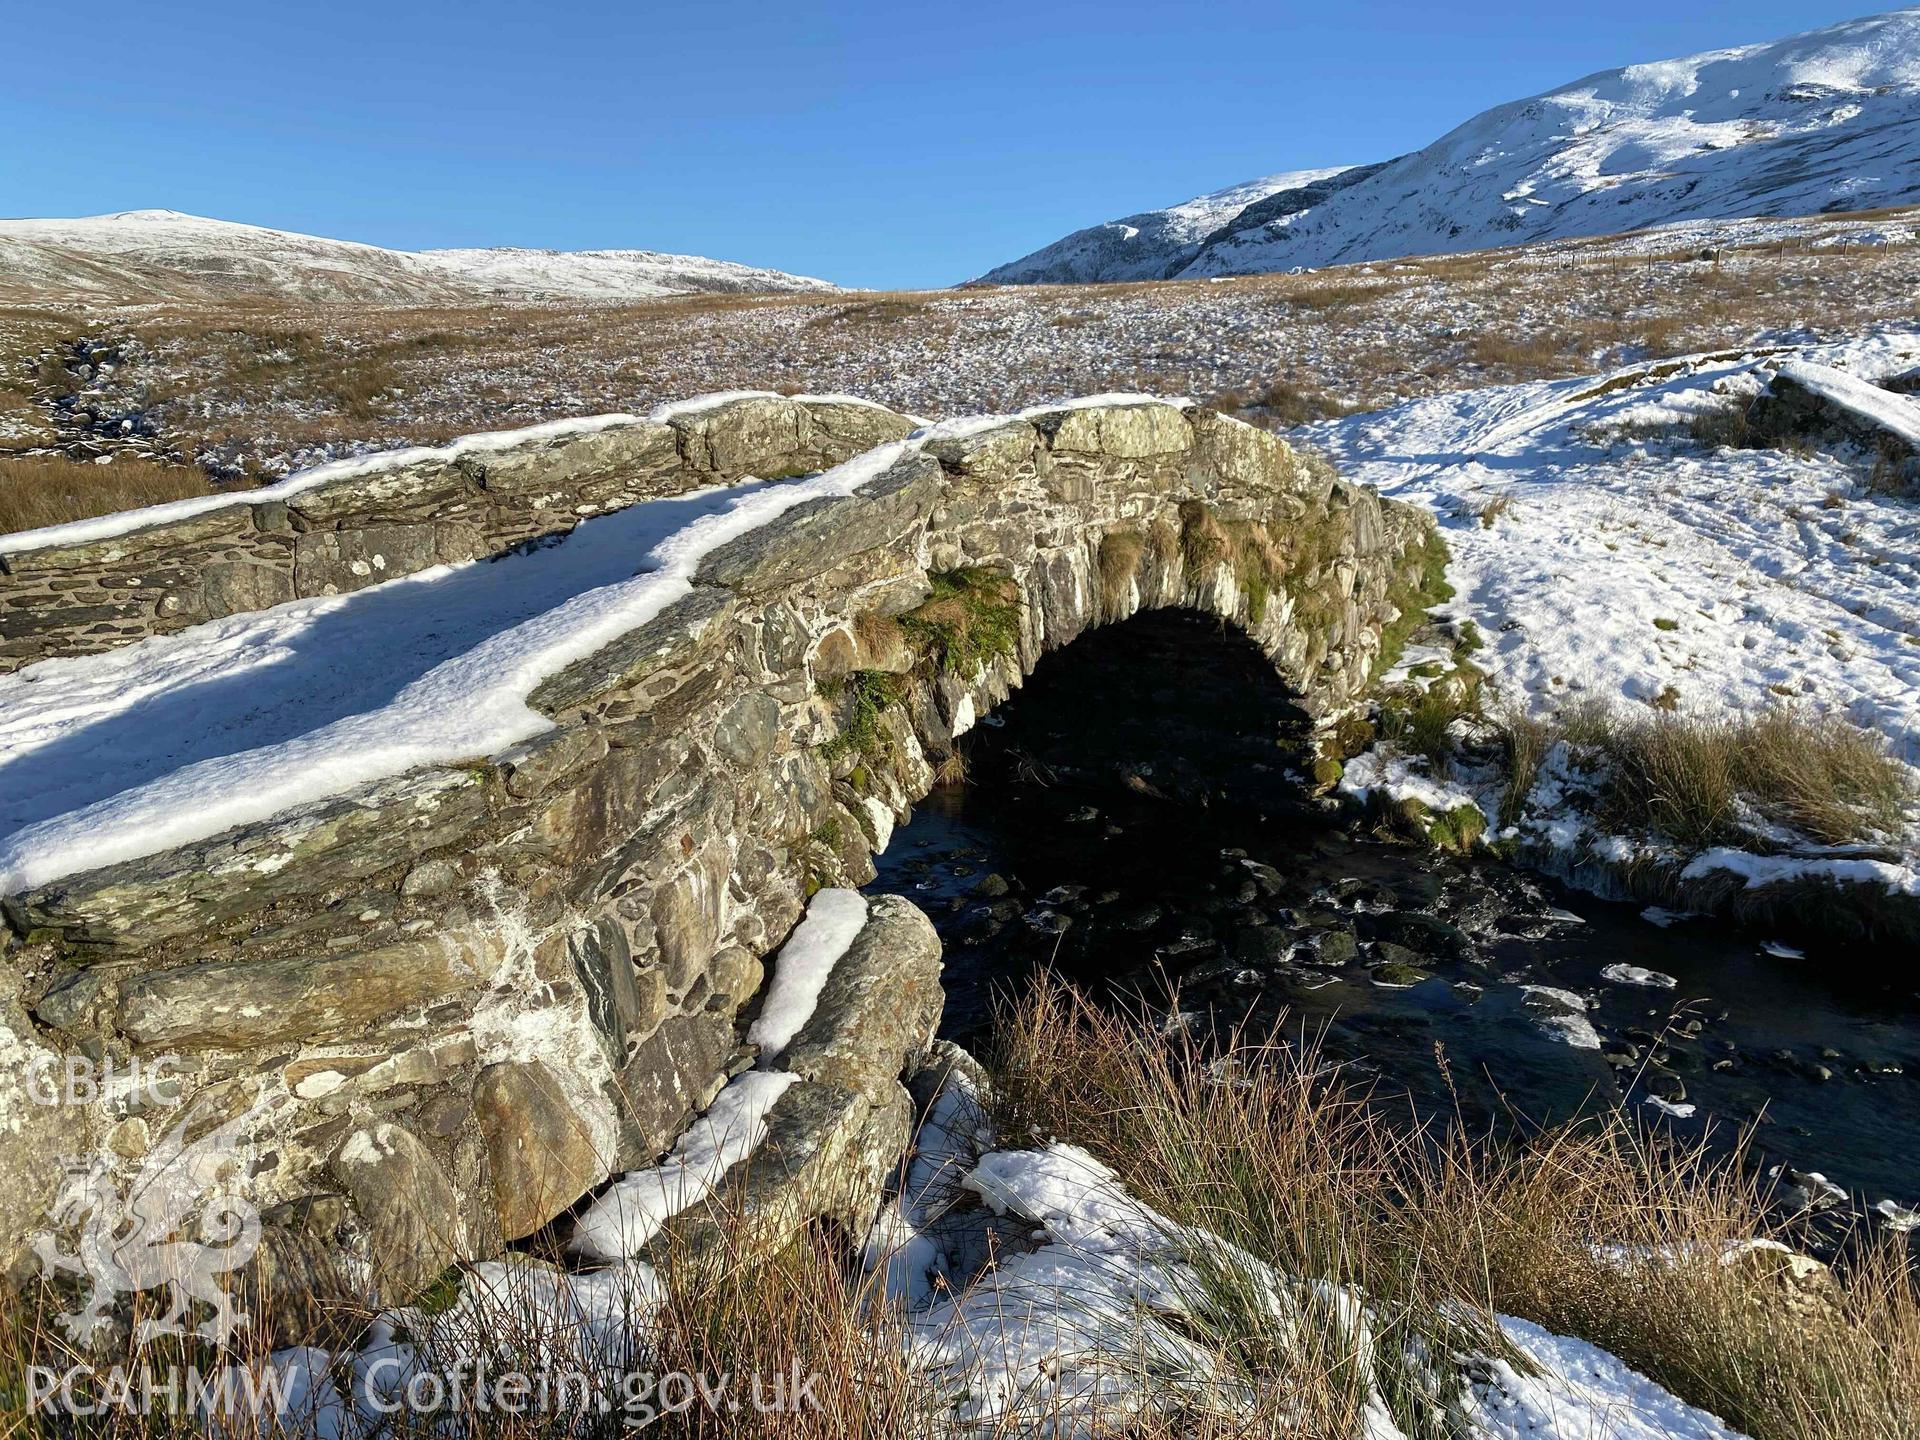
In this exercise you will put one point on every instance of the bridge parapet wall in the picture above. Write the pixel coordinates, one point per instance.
(96, 585)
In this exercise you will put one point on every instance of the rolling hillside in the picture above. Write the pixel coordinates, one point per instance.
(140, 255)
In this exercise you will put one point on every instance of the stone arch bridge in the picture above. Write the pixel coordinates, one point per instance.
(476, 989)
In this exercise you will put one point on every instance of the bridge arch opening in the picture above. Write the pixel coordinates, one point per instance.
(1172, 705)
(1135, 760)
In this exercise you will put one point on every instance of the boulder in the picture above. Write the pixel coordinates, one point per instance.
(880, 1005)
(745, 733)
(540, 1154)
(829, 1152)
(675, 1071)
(407, 1208)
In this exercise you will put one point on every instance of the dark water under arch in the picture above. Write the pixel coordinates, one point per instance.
(1106, 827)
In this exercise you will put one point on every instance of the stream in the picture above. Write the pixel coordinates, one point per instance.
(1130, 819)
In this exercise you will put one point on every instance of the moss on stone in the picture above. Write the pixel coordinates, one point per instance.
(1351, 734)
(819, 856)
(442, 1294)
(1421, 587)
(864, 697)
(1458, 829)
(972, 616)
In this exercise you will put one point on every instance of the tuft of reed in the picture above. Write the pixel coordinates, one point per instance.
(39, 490)
(1697, 779)
(1594, 1228)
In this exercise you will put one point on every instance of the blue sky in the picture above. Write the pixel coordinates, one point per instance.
(872, 144)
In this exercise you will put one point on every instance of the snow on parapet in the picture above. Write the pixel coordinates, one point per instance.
(1866, 402)
(130, 522)
(1105, 402)
(671, 410)
(474, 702)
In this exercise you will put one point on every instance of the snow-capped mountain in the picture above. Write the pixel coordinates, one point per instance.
(1156, 244)
(164, 255)
(1828, 120)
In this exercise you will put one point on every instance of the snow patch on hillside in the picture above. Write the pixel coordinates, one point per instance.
(163, 254)
(1825, 120)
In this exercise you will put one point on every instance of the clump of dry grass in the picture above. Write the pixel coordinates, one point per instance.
(1760, 424)
(1119, 566)
(1491, 513)
(37, 490)
(1257, 1145)
(806, 1310)
(1421, 721)
(1524, 355)
(1257, 561)
(1641, 1248)
(1524, 742)
(1591, 1229)
(1280, 405)
(1688, 777)
(795, 1339)
(888, 310)
(972, 615)
(1334, 294)
(1822, 775)
(1698, 779)
(1674, 774)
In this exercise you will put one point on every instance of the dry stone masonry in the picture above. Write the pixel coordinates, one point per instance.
(474, 992)
(394, 515)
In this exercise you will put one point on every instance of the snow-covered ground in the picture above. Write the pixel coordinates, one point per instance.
(263, 393)
(1828, 120)
(1604, 554)
(1619, 562)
